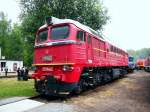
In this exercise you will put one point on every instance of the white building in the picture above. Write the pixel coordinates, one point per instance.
(11, 65)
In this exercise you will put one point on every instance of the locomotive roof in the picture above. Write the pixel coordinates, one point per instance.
(78, 24)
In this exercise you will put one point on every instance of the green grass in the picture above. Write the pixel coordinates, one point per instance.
(10, 87)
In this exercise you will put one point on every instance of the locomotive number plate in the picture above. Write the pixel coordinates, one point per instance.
(47, 58)
(47, 69)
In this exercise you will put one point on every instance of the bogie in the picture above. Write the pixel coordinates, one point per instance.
(102, 76)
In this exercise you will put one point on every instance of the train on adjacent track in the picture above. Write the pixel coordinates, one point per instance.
(140, 64)
(70, 57)
(143, 64)
(131, 64)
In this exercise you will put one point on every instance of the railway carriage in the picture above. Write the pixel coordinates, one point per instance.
(131, 64)
(69, 57)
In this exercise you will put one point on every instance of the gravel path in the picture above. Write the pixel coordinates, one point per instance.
(130, 94)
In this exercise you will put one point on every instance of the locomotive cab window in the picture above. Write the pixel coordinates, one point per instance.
(60, 32)
(131, 59)
(42, 36)
(81, 36)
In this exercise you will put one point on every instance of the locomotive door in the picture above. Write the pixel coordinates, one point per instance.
(89, 49)
(81, 39)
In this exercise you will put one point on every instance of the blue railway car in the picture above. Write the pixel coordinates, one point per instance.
(131, 64)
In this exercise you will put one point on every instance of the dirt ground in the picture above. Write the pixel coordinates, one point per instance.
(129, 94)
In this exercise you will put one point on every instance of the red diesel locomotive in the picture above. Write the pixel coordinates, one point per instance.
(140, 63)
(69, 57)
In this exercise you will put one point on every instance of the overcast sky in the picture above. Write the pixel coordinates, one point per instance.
(129, 26)
(11, 8)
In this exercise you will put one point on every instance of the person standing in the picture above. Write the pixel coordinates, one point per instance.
(0, 70)
(22, 73)
(19, 74)
(26, 73)
(6, 71)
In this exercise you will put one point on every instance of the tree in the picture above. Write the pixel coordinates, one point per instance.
(18, 46)
(142, 53)
(10, 39)
(89, 12)
(16, 43)
(4, 33)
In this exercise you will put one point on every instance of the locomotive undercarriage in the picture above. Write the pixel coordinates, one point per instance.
(91, 77)
(53, 87)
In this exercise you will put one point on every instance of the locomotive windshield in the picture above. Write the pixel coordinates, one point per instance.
(42, 36)
(60, 32)
(131, 59)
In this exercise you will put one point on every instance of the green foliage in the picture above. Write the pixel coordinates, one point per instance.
(89, 12)
(142, 53)
(10, 39)
(14, 46)
(4, 31)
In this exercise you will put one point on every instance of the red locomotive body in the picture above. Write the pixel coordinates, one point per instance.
(70, 56)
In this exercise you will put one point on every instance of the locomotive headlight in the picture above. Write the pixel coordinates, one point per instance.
(67, 68)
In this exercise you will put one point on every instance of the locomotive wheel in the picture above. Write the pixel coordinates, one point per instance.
(124, 72)
(39, 86)
(80, 87)
(107, 78)
(95, 80)
(99, 78)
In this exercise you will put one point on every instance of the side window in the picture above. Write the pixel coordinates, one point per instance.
(89, 39)
(81, 36)
(111, 48)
